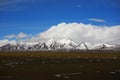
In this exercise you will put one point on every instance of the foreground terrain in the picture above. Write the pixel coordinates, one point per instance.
(60, 65)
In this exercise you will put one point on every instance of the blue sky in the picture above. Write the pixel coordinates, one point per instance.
(35, 16)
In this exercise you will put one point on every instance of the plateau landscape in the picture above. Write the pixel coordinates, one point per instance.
(59, 40)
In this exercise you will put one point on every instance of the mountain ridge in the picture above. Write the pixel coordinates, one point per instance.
(65, 44)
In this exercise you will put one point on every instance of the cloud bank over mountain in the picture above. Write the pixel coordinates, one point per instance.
(80, 32)
(21, 35)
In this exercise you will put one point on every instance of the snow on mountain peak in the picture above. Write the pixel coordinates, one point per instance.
(67, 41)
(50, 41)
(6, 41)
(53, 44)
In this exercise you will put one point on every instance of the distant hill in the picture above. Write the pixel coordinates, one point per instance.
(55, 45)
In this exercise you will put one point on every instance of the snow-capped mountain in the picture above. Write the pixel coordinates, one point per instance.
(10, 47)
(54, 45)
(6, 41)
(85, 46)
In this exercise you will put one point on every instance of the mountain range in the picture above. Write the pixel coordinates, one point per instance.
(54, 45)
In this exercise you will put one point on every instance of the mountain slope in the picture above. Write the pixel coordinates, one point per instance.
(54, 45)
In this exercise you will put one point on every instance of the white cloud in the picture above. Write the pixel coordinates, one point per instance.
(21, 35)
(96, 20)
(80, 32)
(10, 36)
(6, 41)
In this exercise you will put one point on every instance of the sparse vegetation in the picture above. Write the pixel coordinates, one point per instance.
(90, 65)
(50, 54)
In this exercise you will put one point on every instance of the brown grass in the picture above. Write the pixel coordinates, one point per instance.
(49, 54)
